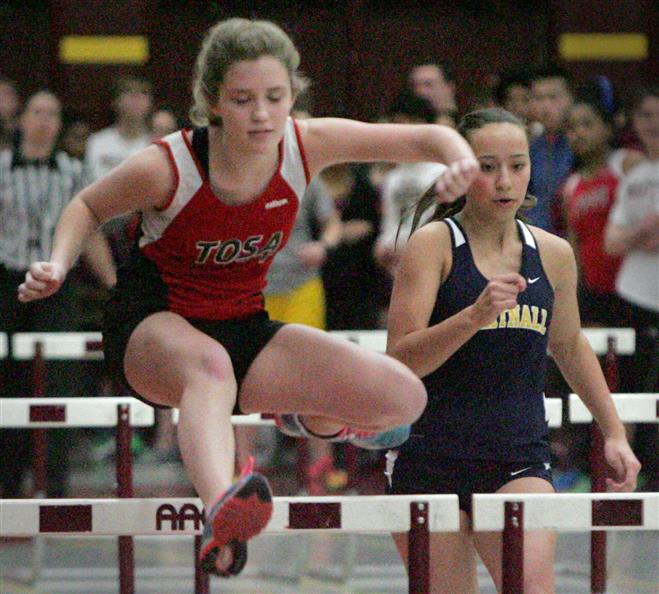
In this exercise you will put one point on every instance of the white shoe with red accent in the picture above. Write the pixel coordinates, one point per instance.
(292, 425)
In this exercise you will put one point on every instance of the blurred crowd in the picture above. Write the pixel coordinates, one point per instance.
(595, 174)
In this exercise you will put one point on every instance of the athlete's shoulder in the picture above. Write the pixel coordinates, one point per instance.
(557, 256)
(550, 242)
(435, 233)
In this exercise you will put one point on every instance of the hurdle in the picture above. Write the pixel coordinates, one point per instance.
(609, 342)
(418, 515)
(513, 514)
(632, 408)
(122, 413)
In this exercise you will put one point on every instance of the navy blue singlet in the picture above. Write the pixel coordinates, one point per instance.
(486, 402)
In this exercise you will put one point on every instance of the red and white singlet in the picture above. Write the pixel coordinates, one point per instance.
(213, 257)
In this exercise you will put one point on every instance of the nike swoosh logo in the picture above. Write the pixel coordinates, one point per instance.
(520, 471)
(533, 280)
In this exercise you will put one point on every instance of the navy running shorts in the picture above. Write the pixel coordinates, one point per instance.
(433, 476)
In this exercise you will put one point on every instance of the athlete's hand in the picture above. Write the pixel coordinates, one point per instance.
(623, 463)
(455, 179)
(43, 279)
(499, 295)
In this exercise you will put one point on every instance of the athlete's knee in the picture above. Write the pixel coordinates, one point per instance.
(405, 394)
(213, 365)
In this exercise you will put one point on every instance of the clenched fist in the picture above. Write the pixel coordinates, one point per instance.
(499, 295)
(43, 279)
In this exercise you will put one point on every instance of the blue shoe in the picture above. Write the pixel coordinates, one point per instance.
(291, 425)
(384, 440)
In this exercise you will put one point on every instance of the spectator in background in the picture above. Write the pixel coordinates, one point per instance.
(587, 197)
(585, 200)
(551, 156)
(73, 141)
(131, 101)
(75, 135)
(435, 82)
(10, 103)
(402, 185)
(513, 93)
(130, 133)
(38, 181)
(355, 286)
(163, 122)
(632, 232)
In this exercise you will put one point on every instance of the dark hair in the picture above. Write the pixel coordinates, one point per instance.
(519, 76)
(551, 70)
(598, 94)
(9, 82)
(471, 122)
(409, 104)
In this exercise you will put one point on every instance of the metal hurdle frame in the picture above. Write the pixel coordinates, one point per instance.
(514, 513)
(418, 515)
(123, 412)
(605, 341)
(632, 408)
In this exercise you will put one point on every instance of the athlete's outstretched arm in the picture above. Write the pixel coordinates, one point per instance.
(328, 141)
(580, 367)
(142, 181)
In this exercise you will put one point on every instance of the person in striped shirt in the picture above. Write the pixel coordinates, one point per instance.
(37, 181)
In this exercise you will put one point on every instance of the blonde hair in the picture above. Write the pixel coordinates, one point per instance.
(232, 41)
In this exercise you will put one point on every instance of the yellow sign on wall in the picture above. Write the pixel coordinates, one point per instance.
(104, 49)
(603, 46)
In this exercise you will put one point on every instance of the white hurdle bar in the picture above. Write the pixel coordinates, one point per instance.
(632, 408)
(86, 345)
(418, 515)
(514, 513)
(101, 411)
(88, 412)
(123, 413)
(57, 345)
(368, 514)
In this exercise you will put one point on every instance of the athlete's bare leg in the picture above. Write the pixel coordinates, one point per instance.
(301, 370)
(332, 382)
(539, 545)
(452, 560)
(170, 362)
